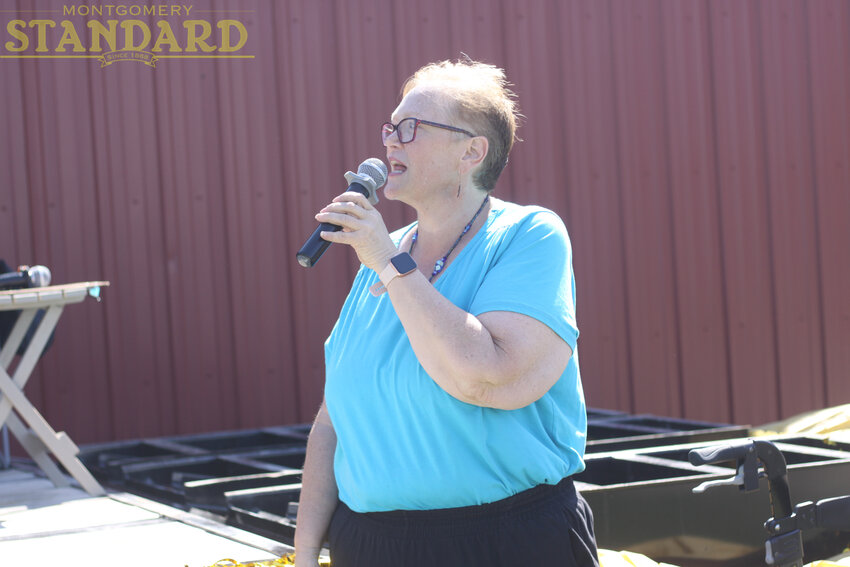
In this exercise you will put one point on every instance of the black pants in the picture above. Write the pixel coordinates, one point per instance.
(546, 526)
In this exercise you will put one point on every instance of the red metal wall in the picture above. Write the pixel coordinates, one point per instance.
(699, 152)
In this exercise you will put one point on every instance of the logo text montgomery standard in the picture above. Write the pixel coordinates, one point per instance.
(161, 10)
(93, 34)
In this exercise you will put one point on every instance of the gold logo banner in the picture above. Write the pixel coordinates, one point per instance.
(145, 57)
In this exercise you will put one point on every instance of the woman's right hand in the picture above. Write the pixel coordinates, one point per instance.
(306, 558)
(363, 229)
(319, 495)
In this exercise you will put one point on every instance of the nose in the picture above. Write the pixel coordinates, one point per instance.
(391, 140)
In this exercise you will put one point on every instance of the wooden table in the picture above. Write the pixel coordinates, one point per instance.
(16, 411)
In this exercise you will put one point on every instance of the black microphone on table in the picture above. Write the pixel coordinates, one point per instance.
(370, 176)
(26, 276)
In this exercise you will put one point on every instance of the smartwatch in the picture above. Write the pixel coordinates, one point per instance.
(400, 265)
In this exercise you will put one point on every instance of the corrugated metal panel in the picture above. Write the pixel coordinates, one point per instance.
(595, 215)
(645, 192)
(697, 150)
(830, 110)
(788, 148)
(700, 306)
(745, 232)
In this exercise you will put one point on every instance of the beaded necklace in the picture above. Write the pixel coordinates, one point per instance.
(441, 263)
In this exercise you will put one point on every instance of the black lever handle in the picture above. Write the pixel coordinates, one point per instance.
(720, 453)
(834, 513)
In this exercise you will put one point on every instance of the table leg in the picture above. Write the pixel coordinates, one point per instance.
(57, 443)
(13, 397)
(7, 458)
(7, 353)
(33, 352)
(36, 450)
(12, 343)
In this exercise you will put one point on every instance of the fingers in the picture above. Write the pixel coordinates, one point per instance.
(346, 221)
(354, 197)
(363, 228)
(350, 202)
(346, 210)
(342, 236)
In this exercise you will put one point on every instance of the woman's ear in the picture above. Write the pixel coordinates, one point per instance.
(476, 151)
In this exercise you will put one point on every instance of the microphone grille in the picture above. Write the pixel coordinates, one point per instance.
(374, 169)
(39, 276)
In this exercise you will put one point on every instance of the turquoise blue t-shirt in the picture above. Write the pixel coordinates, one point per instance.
(403, 443)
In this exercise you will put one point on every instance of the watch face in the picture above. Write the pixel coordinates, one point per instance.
(403, 263)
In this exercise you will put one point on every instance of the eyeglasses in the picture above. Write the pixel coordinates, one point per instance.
(406, 129)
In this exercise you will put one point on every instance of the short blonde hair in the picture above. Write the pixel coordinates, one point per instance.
(479, 95)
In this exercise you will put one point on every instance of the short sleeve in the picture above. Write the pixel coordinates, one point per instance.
(532, 274)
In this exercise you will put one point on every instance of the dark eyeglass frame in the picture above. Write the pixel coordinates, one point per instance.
(416, 123)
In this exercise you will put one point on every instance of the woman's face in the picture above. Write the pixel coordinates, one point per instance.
(427, 166)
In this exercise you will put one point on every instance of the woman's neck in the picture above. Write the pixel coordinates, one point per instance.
(440, 223)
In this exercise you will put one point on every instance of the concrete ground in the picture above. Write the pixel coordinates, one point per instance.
(44, 525)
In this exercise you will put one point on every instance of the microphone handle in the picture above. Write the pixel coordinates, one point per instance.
(315, 246)
(15, 279)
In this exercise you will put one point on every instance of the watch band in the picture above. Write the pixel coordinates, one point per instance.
(399, 265)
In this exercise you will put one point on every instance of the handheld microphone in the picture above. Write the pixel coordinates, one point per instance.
(371, 175)
(26, 276)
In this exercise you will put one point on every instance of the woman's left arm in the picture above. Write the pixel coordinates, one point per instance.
(498, 359)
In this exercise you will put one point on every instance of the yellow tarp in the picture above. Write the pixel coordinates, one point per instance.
(607, 558)
(288, 559)
(832, 422)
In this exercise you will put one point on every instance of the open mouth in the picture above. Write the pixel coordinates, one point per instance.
(397, 167)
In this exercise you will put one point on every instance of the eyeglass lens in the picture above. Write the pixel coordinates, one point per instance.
(406, 130)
